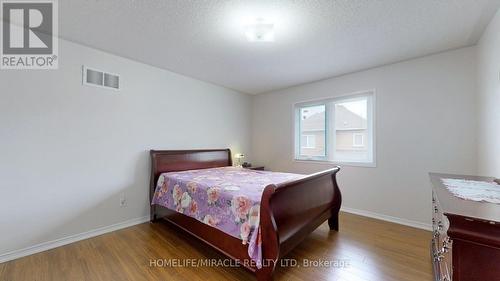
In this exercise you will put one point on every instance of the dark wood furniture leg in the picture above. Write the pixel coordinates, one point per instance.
(333, 221)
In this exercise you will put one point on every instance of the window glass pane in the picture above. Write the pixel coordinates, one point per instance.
(338, 130)
(312, 131)
(351, 131)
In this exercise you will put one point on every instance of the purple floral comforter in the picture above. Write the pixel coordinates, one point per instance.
(227, 198)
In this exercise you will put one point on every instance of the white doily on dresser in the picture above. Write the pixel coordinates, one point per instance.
(480, 191)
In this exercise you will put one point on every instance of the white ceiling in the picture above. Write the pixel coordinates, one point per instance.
(314, 39)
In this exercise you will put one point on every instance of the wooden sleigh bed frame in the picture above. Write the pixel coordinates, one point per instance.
(288, 213)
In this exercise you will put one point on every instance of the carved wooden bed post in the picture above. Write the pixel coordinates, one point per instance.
(333, 221)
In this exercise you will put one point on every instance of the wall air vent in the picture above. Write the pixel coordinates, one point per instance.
(98, 78)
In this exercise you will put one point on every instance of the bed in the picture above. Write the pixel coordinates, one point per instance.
(287, 210)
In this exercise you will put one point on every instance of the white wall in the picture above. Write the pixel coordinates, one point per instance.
(425, 122)
(489, 100)
(68, 151)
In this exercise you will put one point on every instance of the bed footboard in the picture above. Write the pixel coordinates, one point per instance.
(291, 211)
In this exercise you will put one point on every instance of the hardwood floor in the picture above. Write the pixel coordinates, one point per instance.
(374, 250)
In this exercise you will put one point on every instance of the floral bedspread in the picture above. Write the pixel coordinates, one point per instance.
(227, 198)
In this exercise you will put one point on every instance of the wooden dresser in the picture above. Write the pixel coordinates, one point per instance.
(466, 235)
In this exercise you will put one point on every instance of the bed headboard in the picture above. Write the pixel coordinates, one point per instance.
(163, 161)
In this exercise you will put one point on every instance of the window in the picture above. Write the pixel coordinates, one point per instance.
(312, 128)
(339, 130)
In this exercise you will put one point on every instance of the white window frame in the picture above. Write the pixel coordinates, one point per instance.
(329, 103)
(354, 144)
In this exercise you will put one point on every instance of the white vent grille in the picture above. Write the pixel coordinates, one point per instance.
(98, 78)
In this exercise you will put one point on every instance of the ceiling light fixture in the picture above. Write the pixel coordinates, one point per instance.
(260, 31)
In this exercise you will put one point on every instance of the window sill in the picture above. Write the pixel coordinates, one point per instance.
(335, 163)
